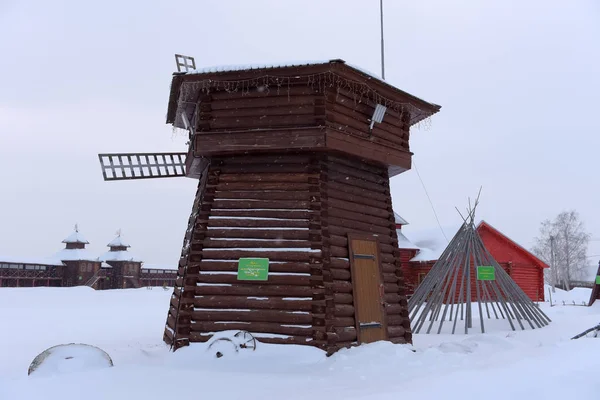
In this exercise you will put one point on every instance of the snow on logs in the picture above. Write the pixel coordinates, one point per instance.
(295, 210)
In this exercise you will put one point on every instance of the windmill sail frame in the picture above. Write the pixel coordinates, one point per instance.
(128, 166)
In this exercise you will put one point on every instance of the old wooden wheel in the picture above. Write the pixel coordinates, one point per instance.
(245, 340)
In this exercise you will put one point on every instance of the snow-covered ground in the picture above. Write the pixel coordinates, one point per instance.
(128, 324)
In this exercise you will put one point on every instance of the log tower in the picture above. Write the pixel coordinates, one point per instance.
(293, 163)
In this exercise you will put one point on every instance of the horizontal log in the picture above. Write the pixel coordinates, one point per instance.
(252, 186)
(271, 255)
(264, 195)
(357, 182)
(355, 199)
(232, 266)
(279, 109)
(261, 122)
(353, 163)
(336, 240)
(392, 298)
(270, 303)
(274, 243)
(365, 210)
(389, 278)
(357, 173)
(257, 290)
(252, 327)
(267, 101)
(391, 288)
(353, 216)
(267, 168)
(396, 331)
(343, 322)
(262, 204)
(344, 310)
(266, 177)
(359, 226)
(342, 286)
(196, 337)
(343, 298)
(391, 309)
(293, 280)
(282, 234)
(341, 274)
(279, 214)
(356, 191)
(345, 230)
(339, 263)
(262, 159)
(291, 340)
(336, 251)
(252, 316)
(387, 267)
(345, 334)
(255, 223)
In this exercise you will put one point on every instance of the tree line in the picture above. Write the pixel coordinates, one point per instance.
(563, 243)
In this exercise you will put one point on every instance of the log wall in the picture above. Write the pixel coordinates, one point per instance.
(296, 210)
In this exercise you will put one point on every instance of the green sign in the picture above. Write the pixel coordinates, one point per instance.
(486, 273)
(598, 280)
(253, 269)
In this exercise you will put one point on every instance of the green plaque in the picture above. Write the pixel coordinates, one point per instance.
(486, 273)
(253, 269)
(598, 280)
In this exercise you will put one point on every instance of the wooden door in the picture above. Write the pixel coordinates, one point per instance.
(371, 324)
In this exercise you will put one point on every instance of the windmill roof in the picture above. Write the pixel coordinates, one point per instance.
(232, 73)
(118, 242)
(75, 237)
(484, 225)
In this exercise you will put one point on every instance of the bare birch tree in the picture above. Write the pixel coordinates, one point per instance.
(563, 244)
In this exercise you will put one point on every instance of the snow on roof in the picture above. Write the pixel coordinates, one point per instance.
(399, 220)
(281, 64)
(118, 242)
(403, 242)
(76, 237)
(431, 243)
(105, 265)
(248, 67)
(31, 260)
(75, 255)
(173, 266)
(122, 255)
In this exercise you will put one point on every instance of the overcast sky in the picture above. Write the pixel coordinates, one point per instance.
(518, 82)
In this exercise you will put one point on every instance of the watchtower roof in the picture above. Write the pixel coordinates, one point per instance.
(281, 74)
(76, 237)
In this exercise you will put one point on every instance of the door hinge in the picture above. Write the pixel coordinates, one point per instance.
(369, 325)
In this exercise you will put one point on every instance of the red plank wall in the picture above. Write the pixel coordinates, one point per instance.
(517, 262)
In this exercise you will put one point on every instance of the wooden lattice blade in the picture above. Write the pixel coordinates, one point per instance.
(125, 166)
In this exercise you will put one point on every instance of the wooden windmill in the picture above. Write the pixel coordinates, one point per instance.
(292, 234)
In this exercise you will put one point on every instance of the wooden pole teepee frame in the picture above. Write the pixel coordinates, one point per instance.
(437, 299)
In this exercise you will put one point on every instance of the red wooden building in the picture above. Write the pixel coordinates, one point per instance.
(521, 265)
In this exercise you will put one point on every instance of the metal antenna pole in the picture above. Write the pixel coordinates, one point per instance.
(382, 47)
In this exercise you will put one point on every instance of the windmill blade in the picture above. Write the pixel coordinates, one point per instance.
(126, 166)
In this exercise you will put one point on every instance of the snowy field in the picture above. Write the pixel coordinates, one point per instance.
(128, 324)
